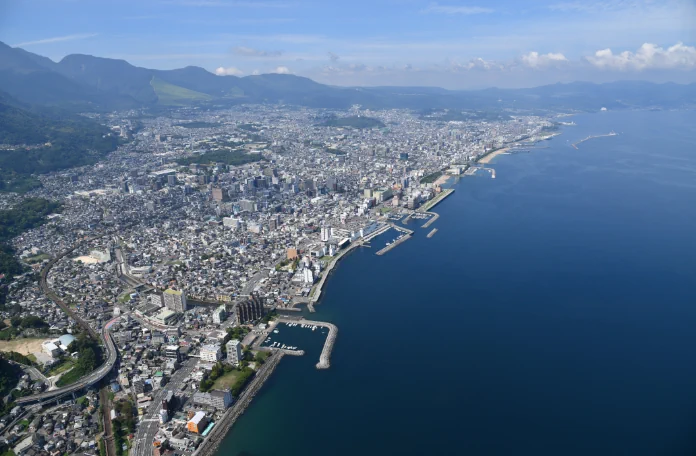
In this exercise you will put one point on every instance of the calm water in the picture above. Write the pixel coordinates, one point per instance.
(554, 313)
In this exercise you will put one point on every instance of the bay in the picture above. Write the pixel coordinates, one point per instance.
(553, 312)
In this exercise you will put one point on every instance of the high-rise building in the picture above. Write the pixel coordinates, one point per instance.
(250, 310)
(325, 233)
(175, 300)
(234, 351)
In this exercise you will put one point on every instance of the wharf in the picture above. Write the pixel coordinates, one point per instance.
(432, 233)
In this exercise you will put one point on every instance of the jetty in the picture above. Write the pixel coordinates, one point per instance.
(434, 217)
(432, 233)
(575, 144)
(406, 236)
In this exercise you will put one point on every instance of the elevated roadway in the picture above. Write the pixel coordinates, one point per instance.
(104, 337)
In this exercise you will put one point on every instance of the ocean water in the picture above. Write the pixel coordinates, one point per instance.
(553, 313)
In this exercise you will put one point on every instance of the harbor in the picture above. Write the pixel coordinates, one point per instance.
(404, 236)
(312, 325)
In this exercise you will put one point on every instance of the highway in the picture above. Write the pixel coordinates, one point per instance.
(105, 339)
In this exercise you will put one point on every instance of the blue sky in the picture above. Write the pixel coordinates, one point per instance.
(453, 44)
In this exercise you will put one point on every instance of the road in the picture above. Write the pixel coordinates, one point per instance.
(104, 337)
(149, 425)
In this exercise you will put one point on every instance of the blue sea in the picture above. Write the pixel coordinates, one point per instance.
(553, 313)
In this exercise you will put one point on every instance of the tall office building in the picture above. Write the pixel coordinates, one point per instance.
(234, 351)
(325, 233)
(175, 300)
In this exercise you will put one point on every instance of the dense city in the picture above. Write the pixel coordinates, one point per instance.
(138, 326)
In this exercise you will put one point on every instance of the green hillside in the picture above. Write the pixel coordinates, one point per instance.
(40, 141)
(173, 95)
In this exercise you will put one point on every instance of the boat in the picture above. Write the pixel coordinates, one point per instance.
(276, 331)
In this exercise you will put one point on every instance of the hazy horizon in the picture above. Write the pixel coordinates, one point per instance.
(453, 45)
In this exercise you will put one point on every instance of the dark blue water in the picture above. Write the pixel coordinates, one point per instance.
(553, 313)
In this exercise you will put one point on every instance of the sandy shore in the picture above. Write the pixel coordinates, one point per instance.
(23, 346)
(491, 156)
(442, 179)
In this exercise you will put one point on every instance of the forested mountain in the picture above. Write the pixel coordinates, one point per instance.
(35, 141)
(87, 82)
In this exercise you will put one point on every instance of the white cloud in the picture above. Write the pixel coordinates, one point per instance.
(648, 56)
(231, 71)
(536, 60)
(282, 70)
(56, 39)
(454, 9)
(252, 52)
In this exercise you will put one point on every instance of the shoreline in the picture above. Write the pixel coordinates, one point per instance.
(210, 445)
(219, 432)
(487, 158)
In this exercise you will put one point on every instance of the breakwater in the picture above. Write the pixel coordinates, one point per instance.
(437, 200)
(434, 217)
(575, 144)
(406, 236)
(432, 233)
(221, 429)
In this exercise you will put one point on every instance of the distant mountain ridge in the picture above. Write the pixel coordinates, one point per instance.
(85, 82)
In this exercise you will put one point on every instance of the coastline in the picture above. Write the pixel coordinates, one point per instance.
(485, 159)
(210, 445)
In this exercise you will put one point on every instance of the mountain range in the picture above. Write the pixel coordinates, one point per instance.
(85, 82)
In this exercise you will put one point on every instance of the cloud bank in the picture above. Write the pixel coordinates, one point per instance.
(231, 71)
(648, 56)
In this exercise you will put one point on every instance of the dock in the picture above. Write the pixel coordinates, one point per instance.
(432, 233)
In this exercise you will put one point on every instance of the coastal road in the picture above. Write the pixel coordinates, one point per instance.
(149, 425)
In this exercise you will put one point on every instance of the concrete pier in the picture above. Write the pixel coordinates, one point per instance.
(432, 233)
(434, 217)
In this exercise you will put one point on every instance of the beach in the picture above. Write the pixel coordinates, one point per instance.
(442, 179)
(487, 159)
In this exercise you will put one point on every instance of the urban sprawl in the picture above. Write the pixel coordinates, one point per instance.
(145, 315)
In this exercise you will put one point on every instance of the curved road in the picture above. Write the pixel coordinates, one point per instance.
(105, 338)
